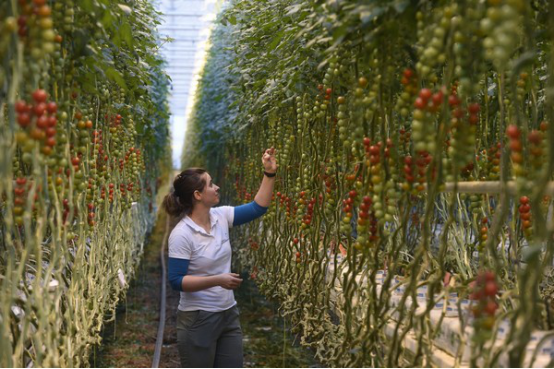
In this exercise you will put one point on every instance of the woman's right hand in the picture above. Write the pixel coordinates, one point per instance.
(230, 281)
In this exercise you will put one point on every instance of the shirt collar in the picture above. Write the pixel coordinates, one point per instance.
(213, 220)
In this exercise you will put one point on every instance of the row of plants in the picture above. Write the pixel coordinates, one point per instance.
(414, 142)
(84, 144)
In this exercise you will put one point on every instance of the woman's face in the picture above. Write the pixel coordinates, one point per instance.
(210, 193)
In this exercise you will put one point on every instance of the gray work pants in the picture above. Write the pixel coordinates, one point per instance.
(210, 340)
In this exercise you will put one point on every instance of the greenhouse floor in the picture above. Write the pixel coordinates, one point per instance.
(130, 340)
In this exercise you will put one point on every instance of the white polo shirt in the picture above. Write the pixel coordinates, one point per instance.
(209, 254)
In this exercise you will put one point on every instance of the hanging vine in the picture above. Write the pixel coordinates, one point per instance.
(83, 114)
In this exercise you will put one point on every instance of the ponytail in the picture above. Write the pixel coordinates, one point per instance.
(180, 199)
(172, 205)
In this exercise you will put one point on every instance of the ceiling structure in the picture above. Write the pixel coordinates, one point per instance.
(188, 24)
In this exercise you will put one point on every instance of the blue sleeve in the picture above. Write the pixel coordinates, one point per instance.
(178, 268)
(248, 212)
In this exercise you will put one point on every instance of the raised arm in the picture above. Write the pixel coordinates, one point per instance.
(248, 212)
(263, 197)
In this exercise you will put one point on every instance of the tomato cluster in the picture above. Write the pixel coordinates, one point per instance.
(330, 187)
(406, 97)
(35, 27)
(19, 200)
(343, 120)
(38, 123)
(366, 221)
(499, 26)
(426, 106)
(493, 162)
(484, 305)
(307, 218)
(516, 148)
(525, 214)
(408, 173)
(286, 202)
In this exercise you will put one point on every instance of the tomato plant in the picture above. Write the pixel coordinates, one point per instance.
(83, 114)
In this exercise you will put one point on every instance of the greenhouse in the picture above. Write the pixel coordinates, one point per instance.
(276, 183)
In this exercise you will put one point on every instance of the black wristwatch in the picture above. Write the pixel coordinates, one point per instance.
(269, 175)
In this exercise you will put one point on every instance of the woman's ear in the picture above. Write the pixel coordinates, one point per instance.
(197, 195)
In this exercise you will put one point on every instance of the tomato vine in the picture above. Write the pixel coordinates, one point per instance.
(84, 137)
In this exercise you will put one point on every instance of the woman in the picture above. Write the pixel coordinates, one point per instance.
(208, 327)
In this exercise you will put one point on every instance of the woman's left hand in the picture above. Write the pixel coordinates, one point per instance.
(269, 161)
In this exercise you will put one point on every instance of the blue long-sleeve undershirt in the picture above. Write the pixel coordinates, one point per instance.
(247, 213)
(178, 268)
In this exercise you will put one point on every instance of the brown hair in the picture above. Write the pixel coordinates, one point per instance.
(179, 201)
